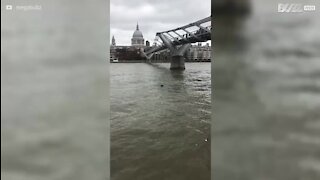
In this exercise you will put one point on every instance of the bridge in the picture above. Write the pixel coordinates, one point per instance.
(179, 40)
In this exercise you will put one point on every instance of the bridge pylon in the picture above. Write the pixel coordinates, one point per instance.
(177, 53)
(177, 57)
(177, 63)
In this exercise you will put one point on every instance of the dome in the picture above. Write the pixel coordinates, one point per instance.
(137, 38)
(137, 33)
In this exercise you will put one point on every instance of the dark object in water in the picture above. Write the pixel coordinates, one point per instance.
(161, 85)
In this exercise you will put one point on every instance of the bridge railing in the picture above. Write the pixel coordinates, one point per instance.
(193, 30)
(199, 31)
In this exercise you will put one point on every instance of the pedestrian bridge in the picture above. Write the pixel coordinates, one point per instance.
(179, 40)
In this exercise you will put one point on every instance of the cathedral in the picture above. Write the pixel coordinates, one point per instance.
(129, 53)
(137, 39)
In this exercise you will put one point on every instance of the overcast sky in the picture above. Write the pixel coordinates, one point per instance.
(153, 16)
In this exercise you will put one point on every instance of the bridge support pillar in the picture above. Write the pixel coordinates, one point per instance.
(177, 63)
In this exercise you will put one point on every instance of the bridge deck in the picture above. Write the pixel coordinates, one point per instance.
(199, 31)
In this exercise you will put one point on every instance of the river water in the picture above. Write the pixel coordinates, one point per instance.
(160, 121)
(266, 122)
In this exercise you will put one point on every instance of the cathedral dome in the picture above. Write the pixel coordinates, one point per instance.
(137, 34)
(137, 37)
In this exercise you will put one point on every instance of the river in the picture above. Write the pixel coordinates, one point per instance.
(160, 121)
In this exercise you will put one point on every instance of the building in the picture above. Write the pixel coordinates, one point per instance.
(199, 53)
(113, 57)
(129, 53)
(113, 43)
(196, 53)
(137, 39)
(147, 44)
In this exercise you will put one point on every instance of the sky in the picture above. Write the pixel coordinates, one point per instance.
(153, 16)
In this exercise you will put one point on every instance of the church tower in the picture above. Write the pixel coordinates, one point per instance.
(113, 42)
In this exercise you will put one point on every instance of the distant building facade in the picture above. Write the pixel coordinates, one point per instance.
(128, 54)
(199, 53)
(196, 53)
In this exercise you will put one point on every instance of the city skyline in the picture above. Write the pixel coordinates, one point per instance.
(152, 17)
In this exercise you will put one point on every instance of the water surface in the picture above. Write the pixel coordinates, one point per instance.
(160, 121)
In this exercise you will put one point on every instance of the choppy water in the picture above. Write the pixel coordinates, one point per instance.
(267, 96)
(159, 132)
